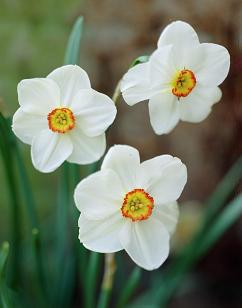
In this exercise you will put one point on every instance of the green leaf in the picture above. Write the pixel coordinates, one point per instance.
(5, 296)
(26, 189)
(139, 60)
(91, 279)
(223, 191)
(73, 46)
(226, 219)
(3, 261)
(39, 267)
(7, 146)
(63, 253)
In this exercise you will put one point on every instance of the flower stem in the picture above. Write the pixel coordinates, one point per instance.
(116, 93)
(107, 283)
(110, 266)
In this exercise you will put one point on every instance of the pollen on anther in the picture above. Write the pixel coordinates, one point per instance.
(183, 83)
(137, 205)
(61, 120)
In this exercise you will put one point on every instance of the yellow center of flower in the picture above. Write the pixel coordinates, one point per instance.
(137, 205)
(183, 83)
(61, 120)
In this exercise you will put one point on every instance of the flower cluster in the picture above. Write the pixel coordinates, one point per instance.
(127, 204)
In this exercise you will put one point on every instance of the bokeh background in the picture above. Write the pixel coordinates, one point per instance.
(33, 36)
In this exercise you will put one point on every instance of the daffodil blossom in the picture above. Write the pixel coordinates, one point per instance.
(131, 205)
(180, 80)
(62, 118)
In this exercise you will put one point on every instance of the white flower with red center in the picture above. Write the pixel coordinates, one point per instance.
(131, 205)
(180, 80)
(62, 118)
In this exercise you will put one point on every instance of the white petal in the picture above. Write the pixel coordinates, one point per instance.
(164, 113)
(150, 169)
(165, 178)
(197, 105)
(96, 112)
(26, 126)
(215, 66)
(162, 67)
(99, 195)
(168, 215)
(101, 235)
(86, 150)
(135, 85)
(49, 150)
(179, 34)
(146, 242)
(71, 79)
(124, 160)
(38, 95)
(191, 57)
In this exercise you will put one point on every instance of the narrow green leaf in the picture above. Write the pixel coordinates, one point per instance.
(7, 149)
(24, 181)
(222, 223)
(4, 252)
(73, 46)
(91, 279)
(39, 267)
(174, 275)
(129, 288)
(5, 296)
(226, 219)
(223, 190)
(62, 230)
(26, 190)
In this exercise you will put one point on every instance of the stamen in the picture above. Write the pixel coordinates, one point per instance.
(183, 83)
(137, 205)
(61, 120)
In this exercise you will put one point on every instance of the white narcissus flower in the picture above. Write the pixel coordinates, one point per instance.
(131, 205)
(62, 118)
(180, 80)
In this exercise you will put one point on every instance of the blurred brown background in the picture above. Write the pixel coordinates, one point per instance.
(116, 32)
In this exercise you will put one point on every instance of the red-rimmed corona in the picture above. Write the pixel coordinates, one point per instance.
(183, 83)
(61, 120)
(137, 205)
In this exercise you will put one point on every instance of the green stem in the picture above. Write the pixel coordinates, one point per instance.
(108, 278)
(110, 266)
(116, 93)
